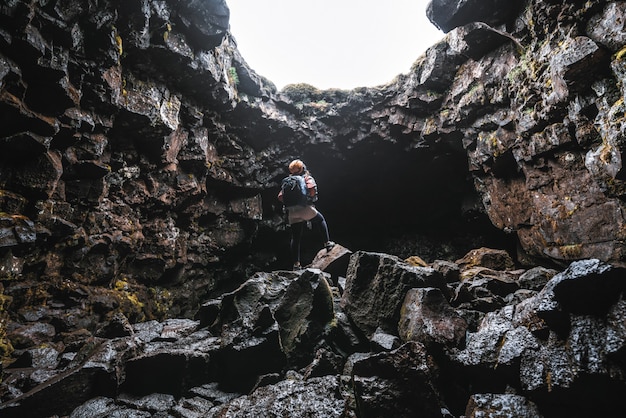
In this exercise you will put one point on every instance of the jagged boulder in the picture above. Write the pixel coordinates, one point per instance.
(484, 289)
(275, 317)
(376, 286)
(175, 356)
(488, 258)
(401, 382)
(98, 182)
(334, 262)
(448, 14)
(585, 287)
(272, 321)
(317, 396)
(501, 405)
(94, 370)
(427, 317)
(554, 347)
(535, 278)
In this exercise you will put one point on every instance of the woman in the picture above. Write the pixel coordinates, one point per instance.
(299, 215)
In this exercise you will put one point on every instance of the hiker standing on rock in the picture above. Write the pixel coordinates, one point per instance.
(298, 193)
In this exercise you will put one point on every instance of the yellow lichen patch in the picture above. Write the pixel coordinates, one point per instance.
(417, 261)
(430, 126)
(166, 34)
(333, 323)
(491, 139)
(118, 43)
(121, 284)
(131, 299)
(5, 348)
(568, 208)
(131, 305)
(5, 345)
(134, 300)
(4, 302)
(409, 335)
(620, 54)
(571, 251)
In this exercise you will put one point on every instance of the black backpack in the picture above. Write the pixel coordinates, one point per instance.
(294, 191)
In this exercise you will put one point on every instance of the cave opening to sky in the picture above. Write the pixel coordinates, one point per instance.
(331, 44)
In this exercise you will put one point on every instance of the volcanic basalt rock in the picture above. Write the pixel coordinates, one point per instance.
(139, 166)
(245, 357)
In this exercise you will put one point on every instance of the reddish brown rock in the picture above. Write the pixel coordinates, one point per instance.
(486, 257)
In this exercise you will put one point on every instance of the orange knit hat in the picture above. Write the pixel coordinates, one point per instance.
(296, 167)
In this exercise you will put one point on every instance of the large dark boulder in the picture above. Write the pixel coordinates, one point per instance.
(398, 383)
(427, 317)
(270, 321)
(376, 286)
(449, 14)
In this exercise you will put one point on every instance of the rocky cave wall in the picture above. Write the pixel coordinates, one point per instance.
(141, 155)
(140, 161)
(118, 171)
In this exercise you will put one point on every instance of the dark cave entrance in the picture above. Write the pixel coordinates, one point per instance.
(402, 202)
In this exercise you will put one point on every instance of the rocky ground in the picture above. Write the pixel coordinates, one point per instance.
(391, 337)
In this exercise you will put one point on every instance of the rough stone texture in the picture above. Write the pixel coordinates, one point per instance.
(159, 159)
(607, 27)
(247, 357)
(536, 278)
(318, 396)
(449, 14)
(500, 406)
(586, 287)
(376, 286)
(273, 321)
(427, 317)
(380, 383)
(488, 258)
(155, 169)
(107, 183)
(272, 317)
(334, 262)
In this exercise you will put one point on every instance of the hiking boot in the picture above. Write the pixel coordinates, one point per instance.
(329, 245)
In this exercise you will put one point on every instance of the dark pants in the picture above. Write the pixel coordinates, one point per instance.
(319, 225)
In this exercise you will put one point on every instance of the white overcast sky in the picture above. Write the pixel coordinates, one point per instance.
(331, 43)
